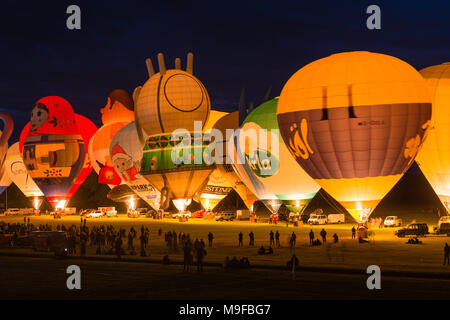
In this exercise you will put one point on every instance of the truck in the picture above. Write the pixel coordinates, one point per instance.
(243, 214)
(336, 218)
(392, 221)
(443, 219)
(443, 228)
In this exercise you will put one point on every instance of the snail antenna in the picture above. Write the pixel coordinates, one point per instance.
(351, 110)
(162, 64)
(190, 63)
(178, 63)
(150, 69)
(324, 103)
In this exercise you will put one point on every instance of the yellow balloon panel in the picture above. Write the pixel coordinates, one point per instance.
(374, 79)
(172, 101)
(434, 157)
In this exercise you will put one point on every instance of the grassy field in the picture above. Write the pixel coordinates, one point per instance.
(384, 249)
(36, 278)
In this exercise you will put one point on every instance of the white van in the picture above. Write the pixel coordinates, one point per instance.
(392, 221)
(243, 214)
(443, 219)
(318, 219)
(336, 218)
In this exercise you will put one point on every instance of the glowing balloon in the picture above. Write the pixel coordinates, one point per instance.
(270, 160)
(434, 158)
(231, 121)
(17, 172)
(215, 190)
(126, 155)
(8, 126)
(355, 121)
(53, 151)
(171, 100)
(119, 107)
(88, 128)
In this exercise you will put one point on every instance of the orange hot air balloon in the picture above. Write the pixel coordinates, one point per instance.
(355, 121)
(115, 116)
(434, 158)
(119, 107)
(53, 150)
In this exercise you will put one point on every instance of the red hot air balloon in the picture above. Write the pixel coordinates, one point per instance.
(87, 130)
(53, 150)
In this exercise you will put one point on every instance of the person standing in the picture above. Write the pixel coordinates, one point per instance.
(277, 239)
(311, 237)
(210, 239)
(240, 237)
(252, 238)
(187, 256)
(294, 239)
(323, 234)
(446, 254)
(271, 236)
(353, 232)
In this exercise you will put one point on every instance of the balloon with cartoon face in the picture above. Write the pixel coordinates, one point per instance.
(54, 151)
(126, 155)
(354, 121)
(119, 107)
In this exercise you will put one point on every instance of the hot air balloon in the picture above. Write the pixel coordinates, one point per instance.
(170, 100)
(270, 160)
(115, 116)
(88, 128)
(434, 157)
(17, 172)
(126, 156)
(231, 121)
(354, 122)
(53, 151)
(8, 126)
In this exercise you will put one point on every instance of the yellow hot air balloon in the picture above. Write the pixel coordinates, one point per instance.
(434, 157)
(170, 100)
(217, 187)
(355, 121)
(231, 121)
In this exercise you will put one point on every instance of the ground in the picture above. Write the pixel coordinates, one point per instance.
(326, 264)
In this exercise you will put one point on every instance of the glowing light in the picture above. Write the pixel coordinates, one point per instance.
(36, 203)
(60, 205)
(207, 206)
(131, 203)
(297, 204)
(181, 204)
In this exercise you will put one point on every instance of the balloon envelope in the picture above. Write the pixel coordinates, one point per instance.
(434, 158)
(126, 155)
(18, 173)
(53, 150)
(270, 160)
(354, 121)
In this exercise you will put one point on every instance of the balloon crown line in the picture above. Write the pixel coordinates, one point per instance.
(162, 64)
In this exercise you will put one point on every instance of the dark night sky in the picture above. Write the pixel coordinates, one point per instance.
(253, 44)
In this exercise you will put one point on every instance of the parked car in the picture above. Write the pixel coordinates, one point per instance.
(182, 214)
(443, 219)
(12, 212)
(85, 212)
(318, 219)
(95, 214)
(133, 213)
(392, 221)
(413, 229)
(226, 216)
